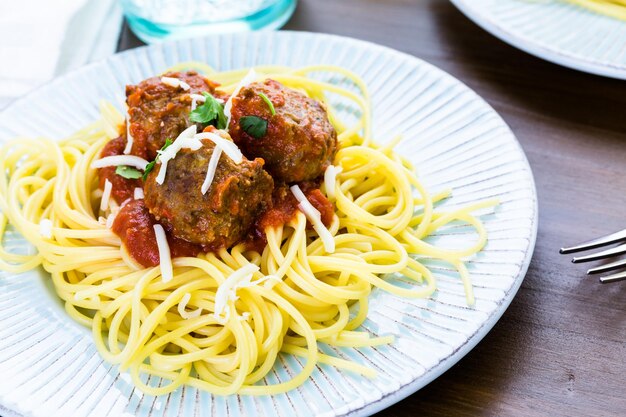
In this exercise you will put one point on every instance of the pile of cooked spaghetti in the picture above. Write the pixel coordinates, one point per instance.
(217, 316)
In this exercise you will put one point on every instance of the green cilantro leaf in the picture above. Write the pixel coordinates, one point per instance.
(166, 145)
(253, 126)
(148, 169)
(127, 172)
(151, 165)
(209, 112)
(268, 102)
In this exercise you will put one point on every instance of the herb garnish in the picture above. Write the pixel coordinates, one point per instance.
(209, 112)
(151, 165)
(268, 102)
(149, 168)
(253, 126)
(127, 172)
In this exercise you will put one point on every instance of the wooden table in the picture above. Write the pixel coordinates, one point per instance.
(560, 349)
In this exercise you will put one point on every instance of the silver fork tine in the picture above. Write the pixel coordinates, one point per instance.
(618, 250)
(620, 276)
(607, 267)
(595, 243)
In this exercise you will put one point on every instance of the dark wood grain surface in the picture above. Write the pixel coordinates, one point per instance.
(560, 348)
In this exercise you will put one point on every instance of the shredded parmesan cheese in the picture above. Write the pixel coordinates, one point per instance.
(199, 98)
(210, 173)
(129, 137)
(185, 140)
(138, 193)
(45, 228)
(315, 218)
(250, 77)
(175, 82)
(110, 220)
(181, 308)
(244, 316)
(165, 257)
(227, 290)
(128, 200)
(106, 195)
(117, 160)
(227, 146)
(330, 178)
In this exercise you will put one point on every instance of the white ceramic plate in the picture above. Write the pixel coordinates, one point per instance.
(49, 365)
(556, 31)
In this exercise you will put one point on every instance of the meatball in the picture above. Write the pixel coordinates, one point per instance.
(222, 216)
(299, 142)
(159, 111)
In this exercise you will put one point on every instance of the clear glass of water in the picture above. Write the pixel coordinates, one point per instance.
(155, 20)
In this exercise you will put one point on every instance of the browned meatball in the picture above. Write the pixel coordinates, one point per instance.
(159, 111)
(222, 216)
(299, 143)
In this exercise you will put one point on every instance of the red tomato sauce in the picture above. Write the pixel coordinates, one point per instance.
(283, 210)
(123, 188)
(135, 226)
(321, 203)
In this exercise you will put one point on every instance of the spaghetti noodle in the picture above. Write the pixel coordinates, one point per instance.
(223, 318)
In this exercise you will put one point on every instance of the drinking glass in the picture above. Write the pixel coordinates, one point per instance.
(155, 20)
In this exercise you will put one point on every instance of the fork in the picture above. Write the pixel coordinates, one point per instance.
(597, 243)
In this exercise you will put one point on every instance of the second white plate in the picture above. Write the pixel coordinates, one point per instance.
(556, 31)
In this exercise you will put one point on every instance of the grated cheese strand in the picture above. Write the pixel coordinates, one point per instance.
(198, 97)
(165, 257)
(129, 137)
(210, 173)
(185, 140)
(227, 146)
(195, 99)
(184, 313)
(241, 278)
(45, 228)
(117, 160)
(315, 218)
(201, 99)
(245, 316)
(250, 77)
(268, 282)
(106, 195)
(138, 193)
(175, 82)
(110, 220)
